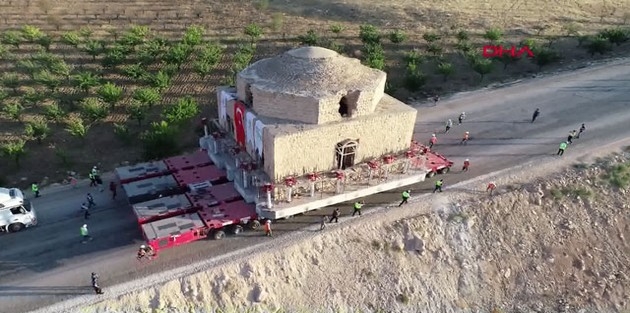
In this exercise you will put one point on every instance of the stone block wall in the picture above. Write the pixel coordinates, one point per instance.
(283, 106)
(314, 149)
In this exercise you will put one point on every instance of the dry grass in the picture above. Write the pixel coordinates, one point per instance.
(282, 23)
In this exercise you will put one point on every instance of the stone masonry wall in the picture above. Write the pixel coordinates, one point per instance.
(284, 106)
(314, 150)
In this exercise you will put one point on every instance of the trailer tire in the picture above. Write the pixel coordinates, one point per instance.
(430, 174)
(445, 170)
(237, 229)
(218, 235)
(254, 224)
(15, 227)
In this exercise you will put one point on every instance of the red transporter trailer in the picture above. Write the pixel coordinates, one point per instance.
(174, 231)
(132, 173)
(162, 208)
(188, 161)
(435, 162)
(229, 217)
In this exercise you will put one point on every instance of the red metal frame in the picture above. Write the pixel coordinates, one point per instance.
(225, 214)
(161, 208)
(174, 231)
(195, 175)
(184, 162)
(144, 171)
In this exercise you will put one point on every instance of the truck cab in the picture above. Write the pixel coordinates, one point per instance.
(16, 213)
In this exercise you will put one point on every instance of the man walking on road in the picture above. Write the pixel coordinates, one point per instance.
(86, 211)
(571, 136)
(92, 180)
(85, 234)
(491, 187)
(35, 189)
(582, 129)
(90, 200)
(334, 216)
(268, 228)
(322, 223)
(461, 117)
(97, 288)
(465, 139)
(449, 124)
(357, 208)
(405, 197)
(563, 146)
(112, 188)
(466, 165)
(432, 141)
(438, 185)
(536, 113)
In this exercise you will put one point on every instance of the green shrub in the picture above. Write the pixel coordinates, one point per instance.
(369, 34)
(14, 150)
(122, 132)
(431, 37)
(337, 29)
(494, 34)
(445, 69)
(615, 36)
(160, 141)
(310, 38)
(37, 129)
(53, 112)
(374, 56)
(397, 36)
(181, 112)
(93, 109)
(193, 35)
(253, 31)
(462, 35)
(598, 44)
(434, 49)
(13, 110)
(545, 56)
(414, 78)
(464, 46)
(77, 127)
(413, 56)
(619, 176)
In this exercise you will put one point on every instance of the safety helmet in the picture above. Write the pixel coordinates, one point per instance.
(464, 113)
(142, 246)
(432, 135)
(467, 133)
(466, 160)
(93, 274)
(84, 225)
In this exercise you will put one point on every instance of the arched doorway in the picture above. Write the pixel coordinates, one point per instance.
(345, 153)
(344, 108)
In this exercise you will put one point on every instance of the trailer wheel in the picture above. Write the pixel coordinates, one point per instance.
(254, 224)
(218, 235)
(237, 229)
(430, 174)
(16, 227)
(445, 170)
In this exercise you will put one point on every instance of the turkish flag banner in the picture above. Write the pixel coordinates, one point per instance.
(239, 123)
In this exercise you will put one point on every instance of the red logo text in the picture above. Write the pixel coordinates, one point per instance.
(490, 51)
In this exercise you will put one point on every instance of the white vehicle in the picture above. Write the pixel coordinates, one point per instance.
(16, 213)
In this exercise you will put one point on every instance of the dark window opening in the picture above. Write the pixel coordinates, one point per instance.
(345, 154)
(248, 95)
(344, 109)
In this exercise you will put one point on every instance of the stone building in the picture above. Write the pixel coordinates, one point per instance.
(311, 109)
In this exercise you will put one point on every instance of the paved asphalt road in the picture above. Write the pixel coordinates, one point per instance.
(48, 263)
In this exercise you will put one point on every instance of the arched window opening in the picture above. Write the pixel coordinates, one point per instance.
(345, 153)
(344, 108)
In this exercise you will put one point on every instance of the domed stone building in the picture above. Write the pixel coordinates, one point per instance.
(311, 109)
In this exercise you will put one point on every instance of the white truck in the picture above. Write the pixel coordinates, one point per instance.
(16, 213)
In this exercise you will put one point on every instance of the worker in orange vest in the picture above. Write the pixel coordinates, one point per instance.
(466, 165)
(268, 228)
(491, 187)
(465, 139)
(432, 141)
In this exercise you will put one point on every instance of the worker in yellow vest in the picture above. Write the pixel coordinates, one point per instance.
(357, 207)
(438, 185)
(35, 189)
(405, 197)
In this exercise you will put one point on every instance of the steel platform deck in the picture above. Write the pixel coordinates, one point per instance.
(151, 188)
(127, 174)
(196, 175)
(162, 208)
(174, 231)
(227, 214)
(212, 195)
(352, 192)
(188, 161)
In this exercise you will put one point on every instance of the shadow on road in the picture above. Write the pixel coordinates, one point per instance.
(17, 291)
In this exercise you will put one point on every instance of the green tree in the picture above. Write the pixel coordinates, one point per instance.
(71, 39)
(94, 48)
(253, 31)
(445, 69)
(147, 96)
(160, 141)
(54, 113)
(482, 66)
(11, 81)
(138, 112)
(86, 80)
(193, 35)
(337, 29)
(397, 36)
(545, 56)
(374, 56)
(86, 32)
(211, 53)
(414, 78)
(60, 68)
(434, 49)
(37, 129)
(178, 54)
(48, 79)
(431, 37)
(32, 96)
(494, 34)
(12, 38)
(93, 109)
(122, 132)
(28, 67)
(151, 51)
(3, 95)
(462, 35)
(598, 45)
(310, 38)
(160, 80)
(31, 33)
(615, 36)
(77, 127)
(14, 150)
(464, 46)
(508, 59)
(181, 112)
(369, 34)
(114, 57)
(13, 110)
(135, 71)
(110, 94)
(202, 68)
(135, 36)
(45, 42)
